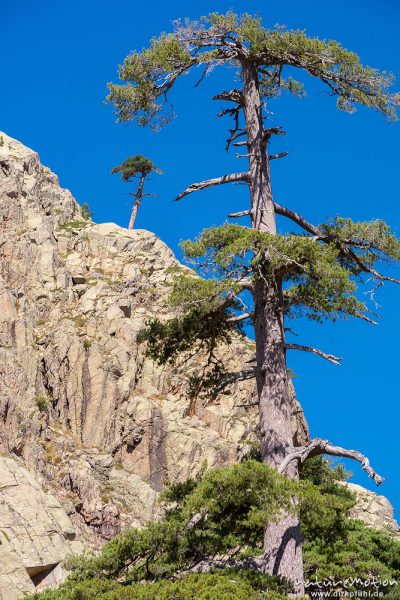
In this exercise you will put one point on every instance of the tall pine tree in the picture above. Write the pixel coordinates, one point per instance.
(313, 273)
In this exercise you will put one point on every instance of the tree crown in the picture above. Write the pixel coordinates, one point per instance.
(234, 40)
(134, 166)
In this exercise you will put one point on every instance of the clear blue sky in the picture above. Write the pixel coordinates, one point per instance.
(56, 59)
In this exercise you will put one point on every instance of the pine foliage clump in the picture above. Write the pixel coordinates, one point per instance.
(220, 517)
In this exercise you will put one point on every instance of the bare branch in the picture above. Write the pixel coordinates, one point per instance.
(242, 213)
(273, 131)
(246, 283)
(369, 269)
(318, 446)
(202, 185)
(235, 96)
(333, 359)
(206, 70)
(280, 155)
(241, 317)
(367, 319)
(294, 216)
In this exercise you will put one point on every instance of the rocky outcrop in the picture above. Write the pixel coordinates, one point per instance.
(374, 510)
(36, 534)
(100, 424)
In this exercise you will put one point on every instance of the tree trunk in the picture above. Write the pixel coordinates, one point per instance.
(282, 540)
(138, 198)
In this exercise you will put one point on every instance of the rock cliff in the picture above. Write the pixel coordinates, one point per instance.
(90, 428)
(99, 424)
(35, 533)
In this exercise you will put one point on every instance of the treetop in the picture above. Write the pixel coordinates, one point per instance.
(239, 40)
(134, 166)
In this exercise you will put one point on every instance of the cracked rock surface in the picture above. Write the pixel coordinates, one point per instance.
(35, 533)
(100, 425)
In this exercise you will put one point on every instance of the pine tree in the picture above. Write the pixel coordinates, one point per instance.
(312, 274)
(132, 168)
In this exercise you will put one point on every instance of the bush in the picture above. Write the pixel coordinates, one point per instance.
(87, 214)
(42, 403)
(204, 586)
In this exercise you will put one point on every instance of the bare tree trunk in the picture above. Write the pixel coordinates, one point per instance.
(282, 540)
(138, 199)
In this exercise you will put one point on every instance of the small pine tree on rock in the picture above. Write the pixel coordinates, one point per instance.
(136, 168)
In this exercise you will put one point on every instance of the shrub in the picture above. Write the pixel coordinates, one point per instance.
(42, 403)
(87, 214)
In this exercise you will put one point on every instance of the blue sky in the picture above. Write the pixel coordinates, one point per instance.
(56, 60)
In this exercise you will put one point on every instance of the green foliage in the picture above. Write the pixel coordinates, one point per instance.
(230, 508)
(373, 240)
(87, 343)
(76, 224)
(207, 306)
(316, 282)
(319, 278)
(87, 214)
(150, 74)
(135, 166)
(223, 513)
(42, 402)
(337, 547)
(357, 552)
(232, 584)
(143, 71)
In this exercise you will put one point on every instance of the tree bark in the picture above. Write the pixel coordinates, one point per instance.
(282, 540)
(138, 199)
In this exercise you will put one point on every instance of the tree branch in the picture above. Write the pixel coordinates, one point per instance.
(242, 213)
(368, 269)
(294, 216)
(202, 185)
(238, 318)
(235, 96)
(333, 359)
(272, 131)
(318, 446)
(280, 155)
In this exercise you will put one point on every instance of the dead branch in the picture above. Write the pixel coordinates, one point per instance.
(241, 317)
(318, 446)
(294, 216)
(280, 155)
(235, 96)
(242, 213)
(333, 359)
(202, 185)
(368, 269)
(268, 133)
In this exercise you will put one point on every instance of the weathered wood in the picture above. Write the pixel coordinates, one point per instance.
(202, 185)
(318, 446)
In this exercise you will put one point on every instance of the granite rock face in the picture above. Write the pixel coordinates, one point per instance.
(100, 424)
(374, 510)
(35, 533)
